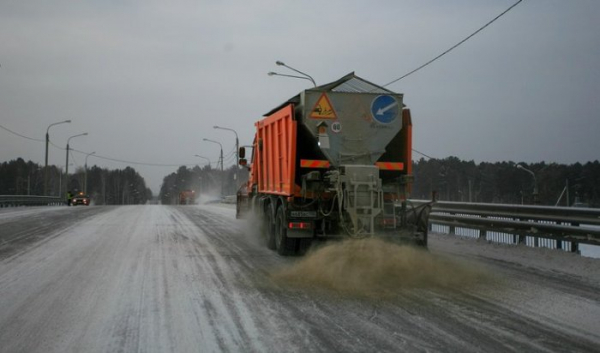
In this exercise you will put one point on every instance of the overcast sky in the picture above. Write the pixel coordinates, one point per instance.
(149, 79)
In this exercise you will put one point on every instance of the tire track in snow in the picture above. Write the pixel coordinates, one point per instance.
(220, 306)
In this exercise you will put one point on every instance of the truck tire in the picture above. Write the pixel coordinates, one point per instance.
(269, 228)
(303, 245)
(285, 246)
(423, 242)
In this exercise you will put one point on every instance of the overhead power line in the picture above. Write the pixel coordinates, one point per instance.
(96, 155)
(454, 46)
(136, 163)
(23, 136)
(422, 154)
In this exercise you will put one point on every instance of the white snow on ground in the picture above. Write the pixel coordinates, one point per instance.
(539, 258)
(160, 278)
(589, 250)
(15, 212)
(151, 283)
(550, 306)
(522, 296)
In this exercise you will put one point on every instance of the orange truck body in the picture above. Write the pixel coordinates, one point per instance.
(274, 165)
(187, 197)
(276, 156)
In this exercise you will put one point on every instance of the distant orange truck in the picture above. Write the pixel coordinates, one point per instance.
(187, 197)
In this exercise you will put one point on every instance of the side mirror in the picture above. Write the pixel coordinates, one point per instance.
(243, 162)
(242, 153)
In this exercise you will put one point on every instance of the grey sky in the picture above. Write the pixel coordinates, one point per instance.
(149, 79)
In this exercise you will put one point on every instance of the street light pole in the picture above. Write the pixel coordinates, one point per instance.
(535, 187)
(67, 163)
(280, 63)
(221, 158)
(199, 156)
(46, 159)
(273, 73)
(85, 178)
(237, 143)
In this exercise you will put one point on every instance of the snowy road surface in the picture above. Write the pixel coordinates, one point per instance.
(194, 279)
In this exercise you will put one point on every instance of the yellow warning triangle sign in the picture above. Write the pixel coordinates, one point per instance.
(323, 109)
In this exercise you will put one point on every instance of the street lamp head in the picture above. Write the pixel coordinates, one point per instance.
(58, 123)
(305, 76)
(69, 139)
(519, 166)
(216, 127)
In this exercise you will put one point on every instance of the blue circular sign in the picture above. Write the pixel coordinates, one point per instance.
(385, 109)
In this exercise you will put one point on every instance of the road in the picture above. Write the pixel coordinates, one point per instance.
(193, 279)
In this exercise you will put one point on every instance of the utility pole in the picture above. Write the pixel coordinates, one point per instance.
(221, 159)
(67, 162)
(46, 159)
(535, 187)
(86, 169)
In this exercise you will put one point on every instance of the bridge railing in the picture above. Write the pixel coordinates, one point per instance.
(566, 226)
(29, 200)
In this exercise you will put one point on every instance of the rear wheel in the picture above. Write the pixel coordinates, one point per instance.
(285, 246)
(303, 245)
(269, 228)
(423, 240)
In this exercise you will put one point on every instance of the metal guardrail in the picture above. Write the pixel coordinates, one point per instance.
(229, 199)
(570, 224)
(29, 200)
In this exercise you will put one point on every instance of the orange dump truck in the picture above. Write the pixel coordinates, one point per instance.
(187, 197)
(333, 161)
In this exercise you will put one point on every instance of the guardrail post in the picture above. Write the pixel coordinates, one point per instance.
(483, 234)
(575, 247)
(522, 238)
(559, 244)
(452, 229)
(574, 244)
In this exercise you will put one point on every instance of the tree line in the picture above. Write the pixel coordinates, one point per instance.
(503, 182)
(451, 179)
(104, 186)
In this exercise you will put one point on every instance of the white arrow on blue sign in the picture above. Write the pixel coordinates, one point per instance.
(384, 109)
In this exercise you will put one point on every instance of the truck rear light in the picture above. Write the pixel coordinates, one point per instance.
(299, 225)
(387, 221)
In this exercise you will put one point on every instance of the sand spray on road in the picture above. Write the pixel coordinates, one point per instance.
(375, 267)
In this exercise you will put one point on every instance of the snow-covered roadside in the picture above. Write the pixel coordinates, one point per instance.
(540, 258)
(14, 212)
(224, 209)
